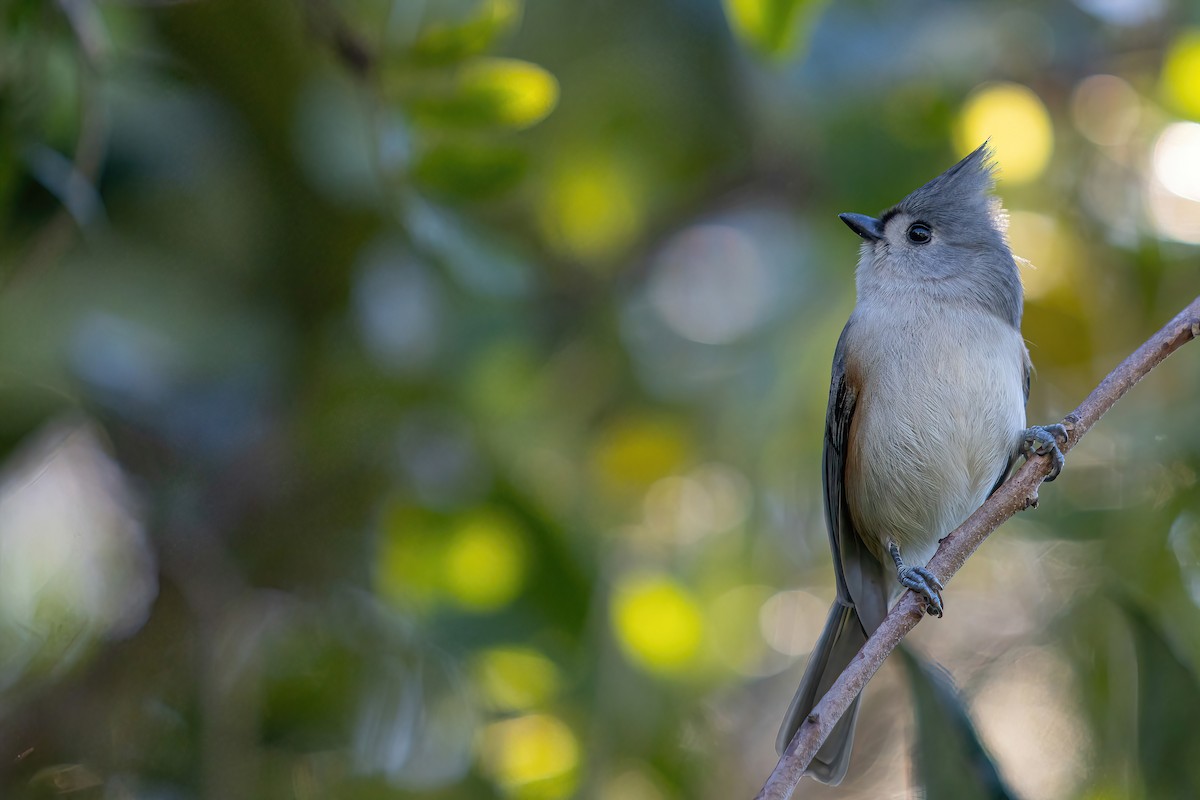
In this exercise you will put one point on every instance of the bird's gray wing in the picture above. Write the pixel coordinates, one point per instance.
(1028, 376)
(861, 592)
(859, 575)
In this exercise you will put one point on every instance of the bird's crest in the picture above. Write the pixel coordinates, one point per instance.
(965, 188)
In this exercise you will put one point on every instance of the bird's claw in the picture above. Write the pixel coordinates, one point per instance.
(926, 584)
(920, 580)
(1044, 440)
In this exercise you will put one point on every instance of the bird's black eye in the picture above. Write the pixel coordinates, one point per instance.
(919, 233)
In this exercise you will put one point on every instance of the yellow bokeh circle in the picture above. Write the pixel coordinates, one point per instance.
(1016, 123)
(1181, 73)
(534, 756)
(657, 622)
(485, 561)
(593, 204)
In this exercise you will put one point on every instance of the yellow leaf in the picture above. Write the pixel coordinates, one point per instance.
(519, 93)
(770, 27)
(483, 93)
(447, 41)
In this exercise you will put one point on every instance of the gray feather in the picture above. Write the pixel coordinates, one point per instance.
(841, 639)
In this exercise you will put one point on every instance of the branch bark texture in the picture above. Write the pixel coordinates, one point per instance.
(1017, 494)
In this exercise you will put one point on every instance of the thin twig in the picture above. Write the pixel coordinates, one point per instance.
(1017, 494)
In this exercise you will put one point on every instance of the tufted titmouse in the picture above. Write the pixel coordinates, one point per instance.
(926, 413)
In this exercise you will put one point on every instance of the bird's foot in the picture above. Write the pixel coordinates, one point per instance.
(920, 580)
(1044, 440)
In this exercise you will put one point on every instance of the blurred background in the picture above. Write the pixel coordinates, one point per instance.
(424, 398)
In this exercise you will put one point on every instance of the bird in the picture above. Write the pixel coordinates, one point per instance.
(926, 414)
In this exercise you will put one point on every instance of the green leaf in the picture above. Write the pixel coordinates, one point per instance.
(469, 170)
(1168, 707)
(951, 760)
(771, 27)
(488, 93)
(444, 42)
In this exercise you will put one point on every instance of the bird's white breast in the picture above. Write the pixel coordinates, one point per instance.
(941, 410)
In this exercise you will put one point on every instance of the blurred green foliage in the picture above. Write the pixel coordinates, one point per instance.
(424, 399)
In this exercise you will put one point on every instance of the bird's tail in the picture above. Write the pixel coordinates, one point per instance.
(841, 640)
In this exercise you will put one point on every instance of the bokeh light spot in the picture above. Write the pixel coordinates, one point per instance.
(516, 678)
(1106, 109)
(1045, 253)
(1173, 191)
(1177, 159)
(398, 307)
(791, 620)
(593, 206)
(1130, 13)
(710, 284)
(534, 756)
(657, 622)
(485, 561)
(635, 451)
(1181, 68)
(711, 499)
(75, 565)
(1017, 124)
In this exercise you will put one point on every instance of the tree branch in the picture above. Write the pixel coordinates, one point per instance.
(1017, 494)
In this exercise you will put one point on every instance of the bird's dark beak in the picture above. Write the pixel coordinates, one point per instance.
(868, 228)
